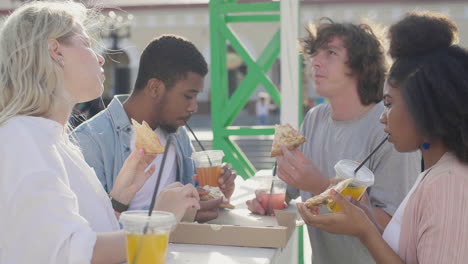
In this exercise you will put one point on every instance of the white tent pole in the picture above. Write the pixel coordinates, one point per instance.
(289, 63)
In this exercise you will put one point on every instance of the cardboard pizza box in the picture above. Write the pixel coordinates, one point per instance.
(239, 227)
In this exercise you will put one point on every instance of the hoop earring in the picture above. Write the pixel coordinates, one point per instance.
(425, 146)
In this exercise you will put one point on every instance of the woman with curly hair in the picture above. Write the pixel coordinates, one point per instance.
(425, 97)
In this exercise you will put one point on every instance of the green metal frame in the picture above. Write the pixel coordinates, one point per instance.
(224, 110)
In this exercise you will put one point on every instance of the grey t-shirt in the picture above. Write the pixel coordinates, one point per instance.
(329, 141)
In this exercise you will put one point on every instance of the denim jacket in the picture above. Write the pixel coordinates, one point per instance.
(105, 143)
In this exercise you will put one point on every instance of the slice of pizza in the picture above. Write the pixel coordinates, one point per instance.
(216, 193)
(146, 139)
(325, 196)
(285, 135)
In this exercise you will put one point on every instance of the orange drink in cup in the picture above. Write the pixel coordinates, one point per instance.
(208, 164)
(148, 246)
(364, 178)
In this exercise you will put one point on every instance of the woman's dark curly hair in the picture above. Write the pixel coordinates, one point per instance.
(366, 56)
(432, 74)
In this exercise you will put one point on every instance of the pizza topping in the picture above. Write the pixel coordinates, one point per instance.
(288, 136)
(325, 197)
(216, 193)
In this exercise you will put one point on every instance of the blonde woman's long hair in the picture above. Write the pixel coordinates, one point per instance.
(30, 80)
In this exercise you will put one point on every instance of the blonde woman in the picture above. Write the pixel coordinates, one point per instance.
(54, 210)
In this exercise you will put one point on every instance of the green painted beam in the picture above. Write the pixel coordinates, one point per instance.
(237, 158)
(239, 99)
(256, 75)
(251, 18)
(249, 7)
(248, 131)
(224, 110)
(267, 58)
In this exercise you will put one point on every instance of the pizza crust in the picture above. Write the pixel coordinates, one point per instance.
(325, 197)
(288, 136)
(146, 139)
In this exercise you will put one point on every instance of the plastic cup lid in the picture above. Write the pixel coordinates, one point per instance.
(157, 218)
(363, 176)
(203, 155)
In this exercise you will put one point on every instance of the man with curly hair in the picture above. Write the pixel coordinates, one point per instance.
(349, 70)
(170, 76)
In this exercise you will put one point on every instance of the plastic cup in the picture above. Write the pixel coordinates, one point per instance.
(208, 164)
(278, 194)
(364, 178)
(150, 246)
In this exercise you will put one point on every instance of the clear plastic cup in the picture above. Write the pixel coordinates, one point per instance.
(149, 246)
(364, 178)
(208, 164)
(278, 194)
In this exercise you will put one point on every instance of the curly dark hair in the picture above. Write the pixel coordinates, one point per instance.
(432, 74)
(169, 58)
(366, 56)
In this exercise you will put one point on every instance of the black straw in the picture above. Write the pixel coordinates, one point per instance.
(195, 136)
(153, 199)
(372, 153)
(156, 187)
(199, 143)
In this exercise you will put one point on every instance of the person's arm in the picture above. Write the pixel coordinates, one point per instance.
(353, 221)
(44, 219)
(381, 217)
(227, 180)
(379, 249)
(109, 248)
(92, 153)
(299, 172)
(132, 176)
(177, 199)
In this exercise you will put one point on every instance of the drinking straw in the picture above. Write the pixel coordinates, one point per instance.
(195, 136)
(271, 189)
(153, 199)
(372, 153)
(156, 187)
(269, 197)
(199, 143)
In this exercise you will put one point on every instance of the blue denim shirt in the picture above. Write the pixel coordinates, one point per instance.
(105, 143)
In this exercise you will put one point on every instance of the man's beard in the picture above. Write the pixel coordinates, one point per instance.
(168, 128)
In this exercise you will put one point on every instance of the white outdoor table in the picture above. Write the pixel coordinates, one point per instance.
(210, 254)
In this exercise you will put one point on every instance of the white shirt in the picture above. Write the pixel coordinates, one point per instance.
(391, 233)
(142, 199)
(51, 202)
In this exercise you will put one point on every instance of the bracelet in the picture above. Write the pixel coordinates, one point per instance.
(118, 206)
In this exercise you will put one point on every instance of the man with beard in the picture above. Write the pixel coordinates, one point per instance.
(170, 76)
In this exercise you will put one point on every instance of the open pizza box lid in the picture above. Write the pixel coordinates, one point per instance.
(238, 227)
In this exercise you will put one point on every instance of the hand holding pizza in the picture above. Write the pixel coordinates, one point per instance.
(299, 172)
(227, 180)
(351, 221)
(177, 199)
